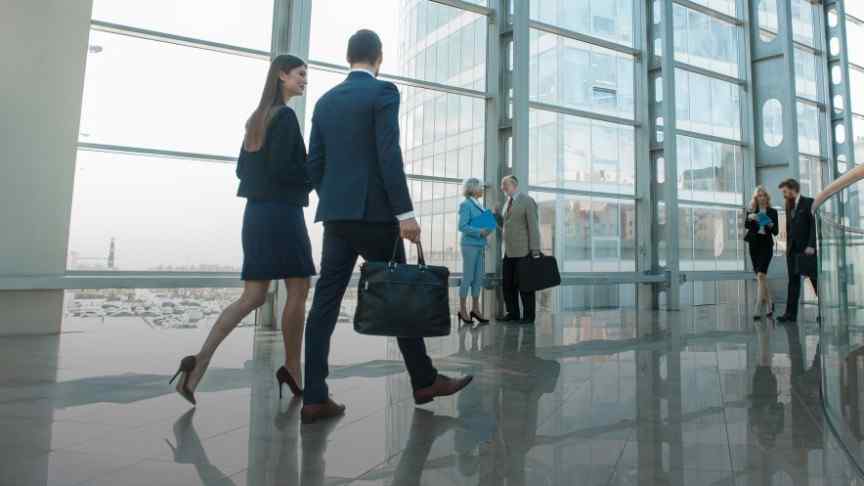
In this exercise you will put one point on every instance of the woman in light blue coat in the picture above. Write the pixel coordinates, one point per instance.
(473, 251)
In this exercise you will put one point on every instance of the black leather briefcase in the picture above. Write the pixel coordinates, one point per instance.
(537, 273)
(805, 265)
(403, 300)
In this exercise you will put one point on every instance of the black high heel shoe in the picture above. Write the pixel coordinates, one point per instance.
(476, 315)
(187, 364)
(770, 313)
(463, 320)
(283, 377)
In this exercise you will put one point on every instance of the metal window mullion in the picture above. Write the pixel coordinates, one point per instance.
(710, 74)
(697, 7)
(172, 154)
(521, 89)
(582, 193)
(563, 110)
(292, 24)
(585, 38)
(146, 34)
(846, 149)
(413, 82)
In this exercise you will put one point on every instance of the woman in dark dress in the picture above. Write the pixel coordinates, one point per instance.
(762, 226)
(276, 246)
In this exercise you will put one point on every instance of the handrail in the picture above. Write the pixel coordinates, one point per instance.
(846, 180)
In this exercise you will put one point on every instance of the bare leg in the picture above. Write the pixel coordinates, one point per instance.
(254, 295)
(463, 306)
(293, 320)
(760, 294)
(476, 307)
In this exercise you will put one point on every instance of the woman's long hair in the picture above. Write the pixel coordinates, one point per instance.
(754, 202)
(271, 100)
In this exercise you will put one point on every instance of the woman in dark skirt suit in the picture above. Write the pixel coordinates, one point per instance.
(762, 226)
(273, 179)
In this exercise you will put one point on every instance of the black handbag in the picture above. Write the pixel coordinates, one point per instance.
(537, 273)
(402, 300)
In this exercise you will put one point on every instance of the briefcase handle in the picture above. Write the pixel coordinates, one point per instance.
(421, 258)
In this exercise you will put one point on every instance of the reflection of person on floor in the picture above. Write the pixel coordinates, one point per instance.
(189, 450)
(805, 383)
(767, 413)
(518, 401)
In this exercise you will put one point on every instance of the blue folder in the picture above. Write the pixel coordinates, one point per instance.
(486, 220)
(763, 219)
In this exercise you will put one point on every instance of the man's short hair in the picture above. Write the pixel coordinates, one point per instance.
(512, 178)
(364, 46)
(790, 184)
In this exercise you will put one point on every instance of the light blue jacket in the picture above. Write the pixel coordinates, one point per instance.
(470, 235)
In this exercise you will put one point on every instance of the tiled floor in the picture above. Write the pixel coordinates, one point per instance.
(576, 400)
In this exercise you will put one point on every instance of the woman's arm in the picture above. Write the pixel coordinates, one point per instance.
(465, 220)
(284, 151)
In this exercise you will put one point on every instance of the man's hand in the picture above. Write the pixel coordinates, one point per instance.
(809, 251)
(409, 230)
(751, 216)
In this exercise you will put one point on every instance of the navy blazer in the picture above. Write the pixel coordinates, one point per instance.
(355, 162)
(801, 227)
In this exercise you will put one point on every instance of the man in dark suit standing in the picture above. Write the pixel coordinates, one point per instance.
(800, 245)
(355, 164)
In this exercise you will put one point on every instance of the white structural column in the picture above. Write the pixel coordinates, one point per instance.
(43, 45)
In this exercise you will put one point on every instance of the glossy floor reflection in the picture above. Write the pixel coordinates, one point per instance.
(697, 397)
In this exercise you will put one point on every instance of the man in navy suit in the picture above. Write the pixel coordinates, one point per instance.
(355, 164)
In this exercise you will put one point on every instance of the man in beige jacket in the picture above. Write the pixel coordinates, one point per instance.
(520, 222)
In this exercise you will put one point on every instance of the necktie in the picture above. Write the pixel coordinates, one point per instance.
(509, 206)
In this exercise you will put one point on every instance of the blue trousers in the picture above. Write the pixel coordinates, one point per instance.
(473, 270)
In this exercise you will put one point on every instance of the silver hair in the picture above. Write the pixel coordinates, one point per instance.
(471, 186)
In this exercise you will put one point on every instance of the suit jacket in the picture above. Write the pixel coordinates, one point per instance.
(753, 226)
(355, 162)
(801, 227)
(521, 226)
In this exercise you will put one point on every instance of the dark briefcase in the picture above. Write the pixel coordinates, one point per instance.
(805, 265)
(537, 273)
(402, 300)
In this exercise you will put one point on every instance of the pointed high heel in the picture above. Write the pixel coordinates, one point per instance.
(187, 364)
(770, 313)
(476, 315)
(463, 320)
(283, 377)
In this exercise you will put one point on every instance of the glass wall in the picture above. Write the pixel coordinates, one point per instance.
(582, 168)
(855, 33)
(161, 124)
(155, 188)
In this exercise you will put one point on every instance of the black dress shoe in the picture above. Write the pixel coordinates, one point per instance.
(789, 319)
(526, 322)
(508, 318)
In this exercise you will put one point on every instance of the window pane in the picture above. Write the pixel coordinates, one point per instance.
(805, 74)
(708, 239)
(607, 19)
(155, 95)
(161, 214)
(422, 39)
(808, 129)
(706, 105)
(574, 74)
(854, 39)
(588, 234)
(177, 309)
(723, 6)
(858, 132)
(704, 41)
(246, 24)
(436, 206)
(803, 28)
(856, 88)
(577, 153)
(709, 171)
